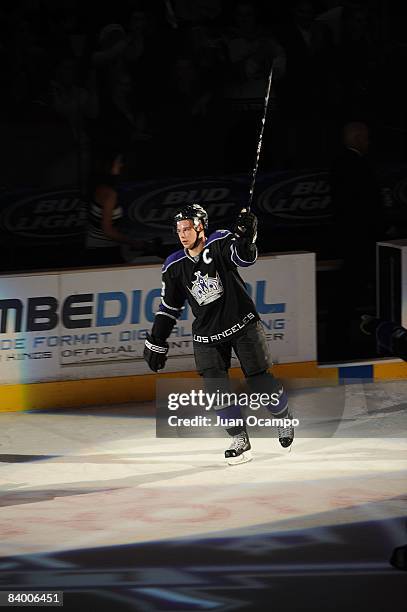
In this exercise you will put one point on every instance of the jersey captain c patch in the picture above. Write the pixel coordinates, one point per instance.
(206, 289)
(206, 257)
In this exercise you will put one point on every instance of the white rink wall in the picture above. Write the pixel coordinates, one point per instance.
(81, 324)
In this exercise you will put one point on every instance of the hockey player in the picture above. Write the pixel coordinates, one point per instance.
(205, 274)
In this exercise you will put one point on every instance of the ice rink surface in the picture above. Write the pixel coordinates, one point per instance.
(93, 504)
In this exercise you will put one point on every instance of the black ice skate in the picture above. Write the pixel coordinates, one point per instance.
(239, 450)
(286, 434)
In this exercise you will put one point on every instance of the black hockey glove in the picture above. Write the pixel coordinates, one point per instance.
(246, 226)
(390, 336)
(155, 352)
(369, 324)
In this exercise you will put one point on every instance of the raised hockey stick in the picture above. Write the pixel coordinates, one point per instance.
(260, 141)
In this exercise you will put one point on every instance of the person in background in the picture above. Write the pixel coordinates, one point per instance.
(356, 198)
(70, 101)
(185, 118)
(116, 121)
(105, 236)
(251, 51)
(305, 93)
(358, 215)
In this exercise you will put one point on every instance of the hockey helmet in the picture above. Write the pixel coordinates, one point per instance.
(193, 212)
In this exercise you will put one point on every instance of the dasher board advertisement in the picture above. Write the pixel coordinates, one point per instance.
(92, 323)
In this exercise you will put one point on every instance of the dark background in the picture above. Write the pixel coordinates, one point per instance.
(178, 87)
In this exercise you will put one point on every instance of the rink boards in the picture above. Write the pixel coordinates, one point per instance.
(76, 337)
(116, 390)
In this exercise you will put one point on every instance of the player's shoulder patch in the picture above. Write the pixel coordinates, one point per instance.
(218, 235)
(172, 259)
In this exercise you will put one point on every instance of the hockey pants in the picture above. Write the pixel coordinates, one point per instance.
(213, 363)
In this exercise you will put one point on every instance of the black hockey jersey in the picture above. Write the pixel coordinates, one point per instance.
(212, 286)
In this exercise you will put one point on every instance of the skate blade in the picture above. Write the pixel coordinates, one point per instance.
(243, 458)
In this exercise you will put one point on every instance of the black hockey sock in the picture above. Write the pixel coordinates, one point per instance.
(393, 338)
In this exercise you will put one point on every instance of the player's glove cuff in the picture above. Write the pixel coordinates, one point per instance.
(156, 348)
(155, 352)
